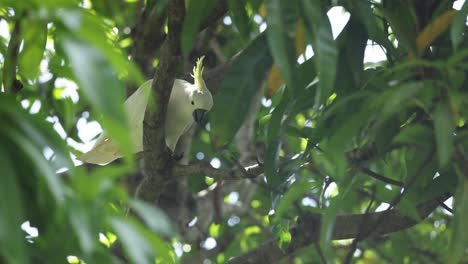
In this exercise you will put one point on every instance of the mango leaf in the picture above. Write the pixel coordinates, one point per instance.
(327, 222)
(326, 53)
(35, 36)
(240, 17)
(458, 26)
(393, 100)
(274, 142)
(42, 165)
(445, 183)
(274, 81)
(85, 224)
(363, 11)
(433, 30)
(242, 81)
(32, 135)
(279, 15)
(95, 31)
(100, 85)
(300, 42)
(415, 133)
(11, 59)
(352, 43)
(408, 208)
(400, 15)
(444, 126)
(459, 241)
(11, 210)
(296, 191)
(154, 218)
(196, 12)
(281, 232)
(138, 249)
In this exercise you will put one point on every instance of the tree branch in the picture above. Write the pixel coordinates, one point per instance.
(149, 33)
(156, 158)
(380, 177)
(11, 59)
(347, 226)
(202, 168)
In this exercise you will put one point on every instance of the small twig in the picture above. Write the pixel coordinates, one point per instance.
(446, 207)
(203, 168)
(320, 253)
(11, 59)
(397, 199)
(380, 177)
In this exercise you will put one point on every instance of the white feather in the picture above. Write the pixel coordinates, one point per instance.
(185, 98)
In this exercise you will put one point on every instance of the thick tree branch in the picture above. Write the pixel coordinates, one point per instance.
(155, 157)
(149, 33)
(346, 227)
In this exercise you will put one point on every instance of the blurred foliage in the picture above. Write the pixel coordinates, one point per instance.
(329, 122)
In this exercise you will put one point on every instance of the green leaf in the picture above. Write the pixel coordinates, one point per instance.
(11, 59)
(84, 219)
(352, 43)
(408, 208)
(154, 218)
(446, 182)
(281, 231)
(327, 222)
(326, 53)
(12, 241)
(459, 241)
(136, 246)
(363, 11)
(395, 99)
(241, 83)
(279, 15)
(274, 142)
(96, 31)
(458, 26)
(100, 85)
(196, 12)
(402, 19)
(34, 33)
(296, 191)
(32, 135)
(415, 133)
(42, 165)
(444, 126)
(240, 17)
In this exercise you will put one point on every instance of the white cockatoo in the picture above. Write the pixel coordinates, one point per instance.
(187, 103)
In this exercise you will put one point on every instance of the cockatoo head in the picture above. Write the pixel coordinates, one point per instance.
(200, 97)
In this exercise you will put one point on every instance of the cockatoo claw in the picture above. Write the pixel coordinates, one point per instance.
(178, 157)
(173, 155)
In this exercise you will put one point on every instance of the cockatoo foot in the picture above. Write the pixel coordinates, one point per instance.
(174, 156)
(177, 157)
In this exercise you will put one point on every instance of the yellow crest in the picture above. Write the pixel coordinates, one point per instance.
(198, 73)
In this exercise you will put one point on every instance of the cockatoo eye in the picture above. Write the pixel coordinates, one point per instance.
(193, 103)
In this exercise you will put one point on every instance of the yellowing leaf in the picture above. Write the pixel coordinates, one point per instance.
(300, 37)
(262, 11)
(274, 81)
(433, 30)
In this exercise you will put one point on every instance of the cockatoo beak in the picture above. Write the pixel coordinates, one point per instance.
(198, 115)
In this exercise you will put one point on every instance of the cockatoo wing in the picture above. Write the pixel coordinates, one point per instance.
(104, 150)
(102, 153)
(179, 113)
(136, 107)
